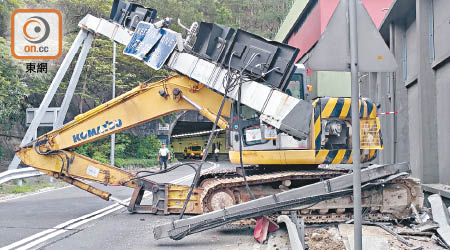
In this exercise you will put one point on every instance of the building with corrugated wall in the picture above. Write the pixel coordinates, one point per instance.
(418, 34)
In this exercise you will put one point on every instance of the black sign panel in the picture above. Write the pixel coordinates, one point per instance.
(212, 41)
(256, 56)
(130, 14)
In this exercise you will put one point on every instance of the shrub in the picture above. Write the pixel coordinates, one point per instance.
(129, 150)
(144, 163)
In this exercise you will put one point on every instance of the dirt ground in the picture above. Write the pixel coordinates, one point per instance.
(324, 238)
(330, 237)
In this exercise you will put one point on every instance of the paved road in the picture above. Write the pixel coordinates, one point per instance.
(70, 218)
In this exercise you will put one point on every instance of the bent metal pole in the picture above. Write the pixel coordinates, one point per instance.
(355, 126)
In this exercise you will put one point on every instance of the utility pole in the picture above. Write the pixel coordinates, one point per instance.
(357, 216)
(113, 136)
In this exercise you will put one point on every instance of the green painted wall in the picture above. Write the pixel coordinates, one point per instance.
(335, 84)
(290, 19)
(329, 83)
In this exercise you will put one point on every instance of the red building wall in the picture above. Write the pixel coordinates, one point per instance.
(309, 32)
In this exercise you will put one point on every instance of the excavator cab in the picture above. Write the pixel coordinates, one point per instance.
(256, 134)
(330, 138)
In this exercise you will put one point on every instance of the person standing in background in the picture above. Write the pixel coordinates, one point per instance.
(163, 156)
(216, 154)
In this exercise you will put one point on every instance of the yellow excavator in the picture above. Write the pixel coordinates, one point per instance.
(246, 85)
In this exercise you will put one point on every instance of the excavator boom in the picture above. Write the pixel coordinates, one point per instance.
(146, 102)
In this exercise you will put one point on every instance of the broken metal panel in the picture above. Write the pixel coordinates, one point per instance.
(439, 210)
(441, 216)
(240, 211)
(444, 232)
(440, 189)
(332, 51)
(264, 225)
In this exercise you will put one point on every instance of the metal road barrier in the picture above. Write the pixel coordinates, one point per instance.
(20, 173)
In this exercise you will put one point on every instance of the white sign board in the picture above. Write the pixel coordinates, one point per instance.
(253, 134)
(48, 120)
(163, 127)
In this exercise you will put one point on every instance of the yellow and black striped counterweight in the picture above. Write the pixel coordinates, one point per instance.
(339, 108)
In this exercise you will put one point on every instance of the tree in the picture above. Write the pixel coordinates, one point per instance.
(6, 8)
(12, 89)
(224, 16)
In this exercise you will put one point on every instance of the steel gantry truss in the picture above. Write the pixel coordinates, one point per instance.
(84, 40)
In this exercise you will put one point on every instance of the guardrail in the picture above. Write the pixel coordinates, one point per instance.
(20, 173)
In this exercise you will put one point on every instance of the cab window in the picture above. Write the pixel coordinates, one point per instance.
(295, 87)
(248, 113)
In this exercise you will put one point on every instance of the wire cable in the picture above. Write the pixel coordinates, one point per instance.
(205, 153)
(244, 175)
(233, 80)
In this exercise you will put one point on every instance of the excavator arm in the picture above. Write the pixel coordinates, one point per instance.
(144, 103)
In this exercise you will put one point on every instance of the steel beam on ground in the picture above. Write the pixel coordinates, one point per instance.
(441, 216)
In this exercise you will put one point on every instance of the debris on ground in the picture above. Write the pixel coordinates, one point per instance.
(324, 238)
(264, 225)
(373, 237)
(278, 240)
(340, 237)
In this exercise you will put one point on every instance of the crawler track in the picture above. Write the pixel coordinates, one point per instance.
(225, 188)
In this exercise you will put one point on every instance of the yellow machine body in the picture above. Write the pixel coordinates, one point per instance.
(141, 104)
(150, 101)
(326, 108)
